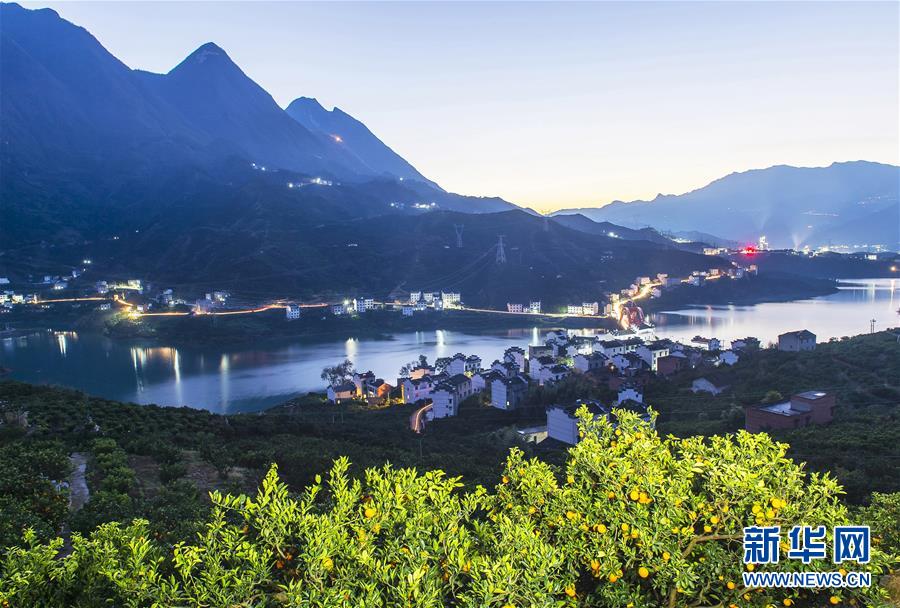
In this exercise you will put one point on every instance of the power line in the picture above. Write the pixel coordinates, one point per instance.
(459, 234)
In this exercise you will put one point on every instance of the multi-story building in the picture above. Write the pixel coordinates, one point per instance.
(508, 393)
(796, 341)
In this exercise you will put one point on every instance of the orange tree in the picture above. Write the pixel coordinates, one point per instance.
(634, 520)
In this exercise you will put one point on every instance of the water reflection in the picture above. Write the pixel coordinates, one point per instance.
(254, 378)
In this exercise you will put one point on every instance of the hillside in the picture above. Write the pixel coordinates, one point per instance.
(844, 203)
(91, 146)
(287, 244)
(338, 126)
(575, 533)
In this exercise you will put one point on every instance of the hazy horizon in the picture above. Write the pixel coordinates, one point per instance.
(563, 105)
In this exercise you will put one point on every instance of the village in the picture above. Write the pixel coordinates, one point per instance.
(140, 298)
(624, 361)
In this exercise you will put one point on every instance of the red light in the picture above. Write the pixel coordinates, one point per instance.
(749, 250)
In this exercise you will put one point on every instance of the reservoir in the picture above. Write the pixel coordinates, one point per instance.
(252, 378)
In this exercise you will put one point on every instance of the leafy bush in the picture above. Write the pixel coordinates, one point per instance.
(883, 515)
(31, 492)
(635, 520)
(171, 471)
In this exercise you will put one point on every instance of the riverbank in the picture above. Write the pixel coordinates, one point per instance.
(769, 287)
(317, 326)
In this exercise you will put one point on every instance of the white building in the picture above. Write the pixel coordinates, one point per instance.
(361, 305)
(695, 280)
(629, 393)
(706, 343)
(550, 374)
(457, 365)
(728, 357)
(590, 308)
(610, 347)
(483, 379)
(590, 362)
(508, 393)
(516, 308)
(515, 354)
(415, 296)
(473, 364)
(702, 385)
(448, 394)
(573, 309)
(292, 312)
(507, 369)
(450, 299)
(341, 392)
(407, 311)
(414, 390)
(651, 352)
(562, 424)
(534, 307)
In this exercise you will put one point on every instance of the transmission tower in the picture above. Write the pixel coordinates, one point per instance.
(871, 326)
(459, 232)
(501, 250)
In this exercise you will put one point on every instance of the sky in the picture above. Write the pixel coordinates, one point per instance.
(555, 105)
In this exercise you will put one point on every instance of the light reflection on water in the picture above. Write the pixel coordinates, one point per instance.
(845, 313)
(250, 379)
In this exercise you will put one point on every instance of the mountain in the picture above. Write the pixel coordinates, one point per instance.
(284, 246)
(844, 203)
(88, 144)
(65, 98)
(237, 116)
(347, 132)
(582, 223)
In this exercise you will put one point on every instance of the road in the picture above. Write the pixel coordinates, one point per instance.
(417, 418)
(642, 294)
(78, 489)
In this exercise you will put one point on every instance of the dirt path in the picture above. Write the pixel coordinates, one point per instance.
(78, 489)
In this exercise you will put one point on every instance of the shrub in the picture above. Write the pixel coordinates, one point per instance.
(633, 520)
(171, 471)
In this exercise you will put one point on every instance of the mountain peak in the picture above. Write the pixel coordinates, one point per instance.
(208, 55)
(307, 103)
(207, 51)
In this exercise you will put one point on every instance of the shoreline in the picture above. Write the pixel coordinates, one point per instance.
(271, 327)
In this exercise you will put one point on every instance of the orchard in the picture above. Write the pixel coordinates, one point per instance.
(633, 520)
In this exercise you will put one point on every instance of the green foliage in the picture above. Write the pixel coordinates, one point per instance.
(883, 515)
(634, 520)
(339, 373)
(31, 495)
(111, 483)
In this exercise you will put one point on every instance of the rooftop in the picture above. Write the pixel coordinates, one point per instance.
(812, 395)
(803, 333)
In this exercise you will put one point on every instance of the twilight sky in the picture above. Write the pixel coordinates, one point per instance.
(558, 105)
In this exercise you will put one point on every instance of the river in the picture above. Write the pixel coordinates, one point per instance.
(254, 378)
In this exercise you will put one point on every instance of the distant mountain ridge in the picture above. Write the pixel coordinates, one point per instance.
(66, 94)
(83, 136)
(791, 206)
(341, 128)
